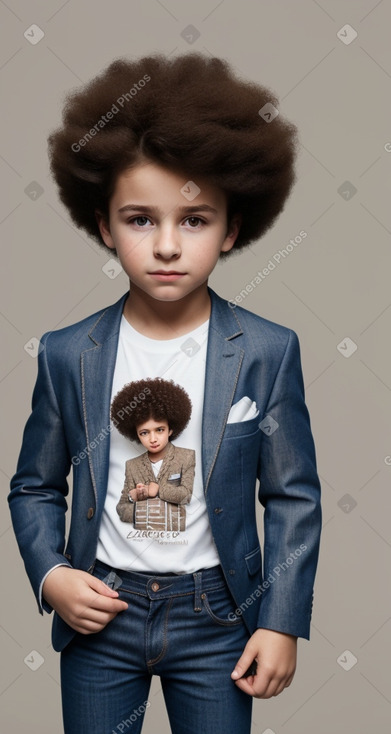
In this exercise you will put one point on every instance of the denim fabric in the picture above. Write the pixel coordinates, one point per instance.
(179, 627)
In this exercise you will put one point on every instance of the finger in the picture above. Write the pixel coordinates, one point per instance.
(89, 627)
(90, 618)
(272, 687)
(101, 588)
(254, 685)
(102, 603)
(244, 662)
(261, 685)
(245, 685)
(256, 689)
(279, 689)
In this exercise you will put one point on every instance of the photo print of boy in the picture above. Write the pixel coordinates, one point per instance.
(159, 483)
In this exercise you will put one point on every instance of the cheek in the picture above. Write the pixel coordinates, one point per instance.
(207, 253)
(126, 239)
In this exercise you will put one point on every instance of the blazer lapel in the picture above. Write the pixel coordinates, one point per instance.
(97, 370)
(223, 362)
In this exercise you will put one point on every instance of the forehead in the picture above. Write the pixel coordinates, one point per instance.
(150, 183)
(151, 425)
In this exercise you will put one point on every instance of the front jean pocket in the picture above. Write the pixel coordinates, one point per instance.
(221, 607)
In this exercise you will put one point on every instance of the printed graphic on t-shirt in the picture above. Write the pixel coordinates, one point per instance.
(162, 516)
(158, 484)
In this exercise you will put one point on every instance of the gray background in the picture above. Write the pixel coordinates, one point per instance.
(333, 286)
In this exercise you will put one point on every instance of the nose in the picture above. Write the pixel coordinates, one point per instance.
(167, 242)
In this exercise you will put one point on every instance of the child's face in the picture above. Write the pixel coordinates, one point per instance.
(167, 244)
(154, 436)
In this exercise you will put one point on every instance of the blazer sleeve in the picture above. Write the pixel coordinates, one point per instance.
(125, 508)
(290, 493)
(39, 487)
(181, 494)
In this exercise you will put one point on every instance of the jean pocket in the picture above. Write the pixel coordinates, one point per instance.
(220, 606)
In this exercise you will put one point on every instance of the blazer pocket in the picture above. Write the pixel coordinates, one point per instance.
(174, 480)
(253, 561)
(243, 428)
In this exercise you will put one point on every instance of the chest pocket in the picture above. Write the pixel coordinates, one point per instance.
(242, 429)
(239, 454)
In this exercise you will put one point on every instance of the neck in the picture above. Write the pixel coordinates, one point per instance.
(167, 319)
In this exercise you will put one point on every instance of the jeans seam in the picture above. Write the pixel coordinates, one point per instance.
(154, 661)
(222, 622)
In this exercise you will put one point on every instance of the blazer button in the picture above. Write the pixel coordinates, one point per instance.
(90, 513)
(218, 510)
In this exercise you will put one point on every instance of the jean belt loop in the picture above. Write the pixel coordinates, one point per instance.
(197, 591)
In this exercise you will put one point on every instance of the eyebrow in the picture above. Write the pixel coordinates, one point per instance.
(148, 430)
(157, 210)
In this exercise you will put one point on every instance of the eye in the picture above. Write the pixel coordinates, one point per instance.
(140, 221)
(194, 222)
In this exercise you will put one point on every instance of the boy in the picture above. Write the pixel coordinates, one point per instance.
(183, 171)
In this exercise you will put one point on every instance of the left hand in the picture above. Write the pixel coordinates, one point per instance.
(275, 653)
(143, 491)
(153, 489)
(140, 492)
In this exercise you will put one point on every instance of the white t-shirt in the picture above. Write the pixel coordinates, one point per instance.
(121, 544)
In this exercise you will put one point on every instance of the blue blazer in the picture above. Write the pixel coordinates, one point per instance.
(247, 356)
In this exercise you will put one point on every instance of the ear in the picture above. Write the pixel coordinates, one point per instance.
(233, 231)
(170, 432)
(104, 229)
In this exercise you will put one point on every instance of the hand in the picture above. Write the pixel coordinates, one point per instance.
(143, 491)
(140, 492)
(153, 489)
(275, 653)
(83, 601)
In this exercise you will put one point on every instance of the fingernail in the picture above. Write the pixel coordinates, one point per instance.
(235, 673)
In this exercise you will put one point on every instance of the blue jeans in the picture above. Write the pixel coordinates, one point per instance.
(179, 627)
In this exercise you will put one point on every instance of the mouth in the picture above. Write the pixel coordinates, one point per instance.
(166, 275)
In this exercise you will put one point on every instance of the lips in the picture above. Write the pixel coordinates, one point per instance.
(166, 275)
(166, 272)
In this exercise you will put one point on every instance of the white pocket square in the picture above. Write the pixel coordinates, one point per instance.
(244, 410)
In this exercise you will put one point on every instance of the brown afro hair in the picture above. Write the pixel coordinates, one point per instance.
(142, 400)
(190, 113)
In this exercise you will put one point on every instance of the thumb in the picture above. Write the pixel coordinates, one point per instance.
(101, 588)
(244, 662)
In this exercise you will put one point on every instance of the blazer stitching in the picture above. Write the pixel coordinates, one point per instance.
(241, 475)
(95, 325)
(279, 368)
(44, 356)
(83, 399)
(225, 422)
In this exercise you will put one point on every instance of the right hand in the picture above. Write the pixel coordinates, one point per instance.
(83, 601)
